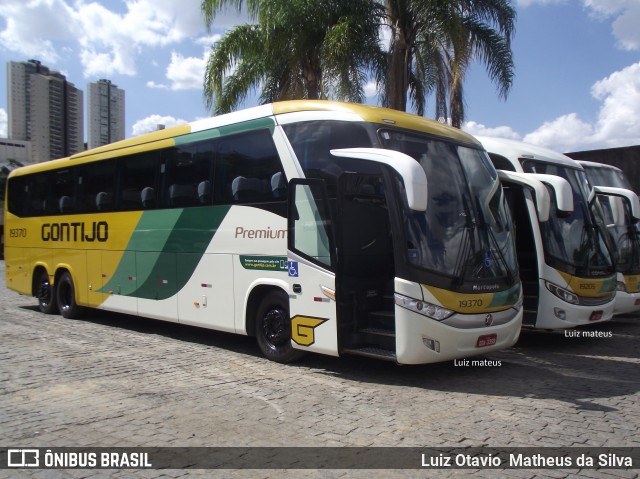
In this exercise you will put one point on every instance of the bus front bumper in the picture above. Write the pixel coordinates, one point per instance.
(421, 340)
(626, 303)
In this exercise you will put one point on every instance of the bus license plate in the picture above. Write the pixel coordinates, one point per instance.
(487, 340)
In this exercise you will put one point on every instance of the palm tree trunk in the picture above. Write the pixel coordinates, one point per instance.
(398, 82)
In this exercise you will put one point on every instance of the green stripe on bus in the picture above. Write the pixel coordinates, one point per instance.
(506, 298)
(192, 234)
(257, 124)
(151, 235)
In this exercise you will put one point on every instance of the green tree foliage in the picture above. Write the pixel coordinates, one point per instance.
(296, 49)
(433, 42)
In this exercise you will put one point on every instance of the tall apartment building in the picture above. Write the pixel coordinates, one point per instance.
(45, 109)
(106, 114)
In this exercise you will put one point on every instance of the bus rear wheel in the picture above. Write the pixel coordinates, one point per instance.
(45, 294)
(273, 328)
(66, 297)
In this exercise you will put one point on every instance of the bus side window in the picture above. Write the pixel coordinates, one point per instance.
(96, 186)
(38, 192)
(187, 175)
(501, 163)
(248, 170)
(62, 199)
(17, 193)
(137, 180)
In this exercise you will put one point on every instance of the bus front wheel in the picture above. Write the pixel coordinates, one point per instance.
(45, 294)
(273, 328)
(66, 297)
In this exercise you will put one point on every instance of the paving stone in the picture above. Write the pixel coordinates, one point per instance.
(111, 380)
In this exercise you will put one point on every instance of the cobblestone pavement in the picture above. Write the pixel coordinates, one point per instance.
(116, 380)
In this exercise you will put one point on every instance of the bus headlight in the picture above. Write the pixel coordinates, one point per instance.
(620, 286)
(422, 307)
(562, 293)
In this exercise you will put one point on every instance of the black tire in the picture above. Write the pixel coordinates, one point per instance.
(66, 297)
(46, 294)
(273, 328)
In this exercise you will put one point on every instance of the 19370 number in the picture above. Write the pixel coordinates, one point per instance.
(18, 232)
(470, 303)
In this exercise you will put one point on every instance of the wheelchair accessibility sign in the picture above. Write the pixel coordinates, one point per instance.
(292, 267)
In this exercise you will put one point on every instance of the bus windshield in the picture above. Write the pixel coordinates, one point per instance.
(466, 231)
(625, 237)
(574, 243)
(603, 176)
(463, 241)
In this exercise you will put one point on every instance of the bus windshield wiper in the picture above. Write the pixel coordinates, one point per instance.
(466, 244)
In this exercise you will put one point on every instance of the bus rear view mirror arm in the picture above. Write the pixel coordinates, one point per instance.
(541, 194)
(628, 195)
(561, 189)
(414, 177)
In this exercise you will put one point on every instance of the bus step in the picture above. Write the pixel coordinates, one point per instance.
(529, 318)
(373, 352)
(379, 332)
(389, 300)
(376, 336)
(381, 320)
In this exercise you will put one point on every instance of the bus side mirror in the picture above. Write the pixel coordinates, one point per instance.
(540, 193)
(561, 190)
(413, 176)
(627, 195)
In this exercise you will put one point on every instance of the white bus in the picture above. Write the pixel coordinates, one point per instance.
(625, 234)
(314, 226)
(566, 267)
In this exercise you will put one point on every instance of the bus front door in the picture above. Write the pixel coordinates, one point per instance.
(311, 268)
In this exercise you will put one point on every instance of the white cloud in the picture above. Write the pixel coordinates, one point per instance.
(627, 18)
(618, 122)
(626, 15)
(3, 123)
(111, 42)
(619, 116)
(151, 123)
(185, 73)
(107, 41)
(478, 129)
(32, 27)
(209, 40)
(527, 3)
(565, 133)
(371, 89)
(157, 86)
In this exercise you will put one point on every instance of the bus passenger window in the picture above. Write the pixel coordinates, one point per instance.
(96, 186)
(246, 165)
(63, 192)
(136, 173)
(187, 173)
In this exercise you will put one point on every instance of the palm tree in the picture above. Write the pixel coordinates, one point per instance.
(297, 49)
(433, 43)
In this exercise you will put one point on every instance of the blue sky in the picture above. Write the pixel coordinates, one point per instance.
(577, 83)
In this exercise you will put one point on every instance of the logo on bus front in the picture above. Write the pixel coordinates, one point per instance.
(303, 329)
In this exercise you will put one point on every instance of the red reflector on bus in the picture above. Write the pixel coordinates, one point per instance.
(487, 340)
(595, 316)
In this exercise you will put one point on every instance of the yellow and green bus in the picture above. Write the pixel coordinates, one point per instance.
(313, 226)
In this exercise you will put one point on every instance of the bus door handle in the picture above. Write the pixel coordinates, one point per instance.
(297, 288)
